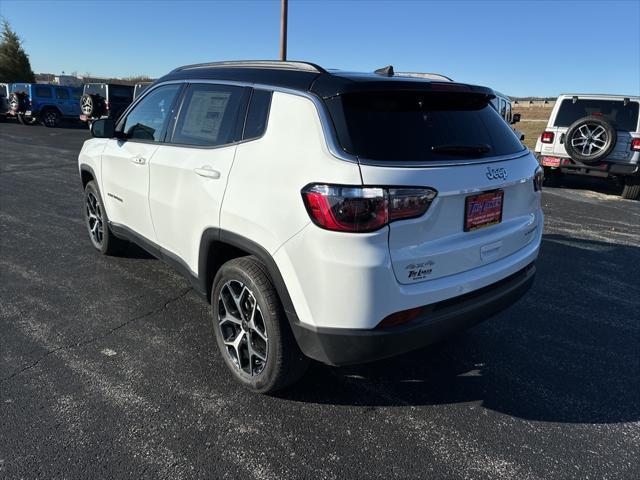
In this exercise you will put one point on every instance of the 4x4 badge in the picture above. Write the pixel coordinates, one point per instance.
(496, 173)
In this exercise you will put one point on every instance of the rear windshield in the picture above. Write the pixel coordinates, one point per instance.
(420, 126)
(623, 117)
(120, 93)
(96, 89)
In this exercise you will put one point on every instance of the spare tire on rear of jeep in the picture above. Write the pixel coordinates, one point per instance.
(590, 139)
(18, 102)
(91, 105)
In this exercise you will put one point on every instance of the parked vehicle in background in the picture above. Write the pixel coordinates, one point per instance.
(596, 135)
(47, 104)
(4, 101)
(344, 217)
(101, 100)
(504, 106)
(138, 88)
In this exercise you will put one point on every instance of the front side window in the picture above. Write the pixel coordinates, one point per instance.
(148, 118)
(43, 92)
(62, 94)
(209, 115)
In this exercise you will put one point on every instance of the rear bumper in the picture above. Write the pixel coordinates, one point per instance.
(340, 346)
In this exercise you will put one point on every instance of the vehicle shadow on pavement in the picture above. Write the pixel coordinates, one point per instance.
(578, 182)
(567, 352)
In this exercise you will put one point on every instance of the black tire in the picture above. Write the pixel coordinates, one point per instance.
(106, 243)
(18, 101)
(92, 105)
(285, 363)
(575, 135)
(50, 118)
(631, 188)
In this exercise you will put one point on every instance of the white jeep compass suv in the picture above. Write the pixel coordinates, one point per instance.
(343, 217)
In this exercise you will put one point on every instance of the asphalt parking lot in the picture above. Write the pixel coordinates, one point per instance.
(108, 366)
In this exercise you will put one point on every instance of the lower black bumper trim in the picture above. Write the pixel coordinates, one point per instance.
(338, 346)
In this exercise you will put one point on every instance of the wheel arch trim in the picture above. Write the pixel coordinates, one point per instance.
(211, 235)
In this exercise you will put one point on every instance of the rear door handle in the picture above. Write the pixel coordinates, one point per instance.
(207, 172)
(139, 160)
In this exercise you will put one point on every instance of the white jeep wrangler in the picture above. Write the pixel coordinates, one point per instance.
(597, 135)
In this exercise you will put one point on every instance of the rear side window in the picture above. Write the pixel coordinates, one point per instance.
(62, 94)
(76, 94)
(257, 115)
(210, 115)
(623, 117)
(420, 126)
(43, 92)
(148, 119)
(120, 93)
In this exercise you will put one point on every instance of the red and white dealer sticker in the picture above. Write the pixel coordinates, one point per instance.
(483, 210)
(550, 161)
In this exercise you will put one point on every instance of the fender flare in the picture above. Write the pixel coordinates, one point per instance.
(212, 235)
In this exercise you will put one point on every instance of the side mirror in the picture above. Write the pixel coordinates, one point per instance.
(515, 118)
(103, 128)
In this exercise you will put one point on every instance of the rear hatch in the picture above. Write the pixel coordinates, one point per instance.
(623, 115)
(457, 144)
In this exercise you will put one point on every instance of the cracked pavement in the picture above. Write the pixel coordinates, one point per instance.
(109, 368)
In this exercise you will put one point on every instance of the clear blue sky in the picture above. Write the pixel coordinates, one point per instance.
(518, 47)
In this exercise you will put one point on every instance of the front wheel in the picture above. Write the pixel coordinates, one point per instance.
(97, 223)
(252, 331)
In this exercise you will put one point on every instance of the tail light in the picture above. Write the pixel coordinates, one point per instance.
(538, 179)
(106, 104)
(635, 144)
(547, 137)
(363, 209)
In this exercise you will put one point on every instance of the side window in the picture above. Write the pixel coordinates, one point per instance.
(148, 118)
(508, 115)
(258, 114)
(43, 92)
(503, 108)
(62, 94)
(209, 115)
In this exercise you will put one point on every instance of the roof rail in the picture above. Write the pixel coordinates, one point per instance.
(432, 76)
(277, 64)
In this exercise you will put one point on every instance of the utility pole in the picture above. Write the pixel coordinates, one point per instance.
(283, 30)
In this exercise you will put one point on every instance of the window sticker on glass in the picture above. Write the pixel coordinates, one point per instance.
(205, 114)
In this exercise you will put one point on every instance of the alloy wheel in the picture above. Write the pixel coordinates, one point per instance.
(590, 139)
(94, 219)
(242, 327)
(86, 105)
(50, 119)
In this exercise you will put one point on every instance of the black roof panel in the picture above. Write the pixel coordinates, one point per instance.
(308, 77)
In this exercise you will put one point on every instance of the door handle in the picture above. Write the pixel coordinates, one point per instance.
(207, 172)
(139, 160)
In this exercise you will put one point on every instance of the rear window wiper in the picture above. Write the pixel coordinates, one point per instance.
(462, 149)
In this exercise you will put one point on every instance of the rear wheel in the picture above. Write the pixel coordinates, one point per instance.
(631, 189)
(98, 224)
(252, 331)
(50, 118)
